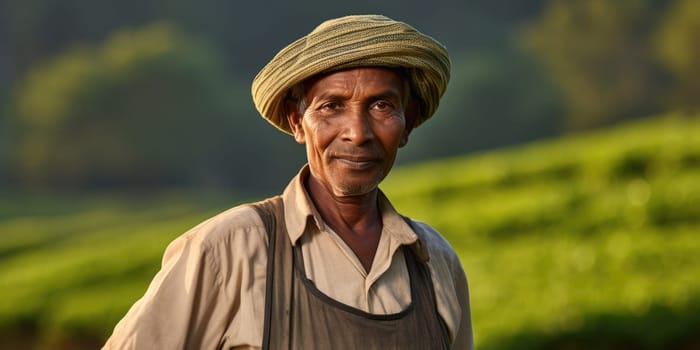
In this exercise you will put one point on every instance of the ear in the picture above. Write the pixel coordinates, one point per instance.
(294, 120)
(410, 113)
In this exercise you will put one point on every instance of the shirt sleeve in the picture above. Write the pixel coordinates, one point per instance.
(196, 296)
(464, 339)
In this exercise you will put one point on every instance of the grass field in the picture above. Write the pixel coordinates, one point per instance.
(589, 241)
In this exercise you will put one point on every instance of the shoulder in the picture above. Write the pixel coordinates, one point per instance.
(444, 263)
(438, 247)
(237, 219)
(239, 227)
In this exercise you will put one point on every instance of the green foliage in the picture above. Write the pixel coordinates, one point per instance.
(486, 106)
(586, 242)
(69, 274)
(677, 46)
(621, 331)
(600, 54)
(589, 241)
(114, 115)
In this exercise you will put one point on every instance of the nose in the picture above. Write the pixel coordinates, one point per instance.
(357, 128)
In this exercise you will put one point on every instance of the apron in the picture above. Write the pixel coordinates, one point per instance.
(299, 316)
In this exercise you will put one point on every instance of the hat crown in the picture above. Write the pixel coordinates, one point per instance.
(353, 20)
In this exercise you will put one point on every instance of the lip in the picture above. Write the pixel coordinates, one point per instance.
(358, 163)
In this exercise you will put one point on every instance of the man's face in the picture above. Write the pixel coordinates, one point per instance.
(353, 125)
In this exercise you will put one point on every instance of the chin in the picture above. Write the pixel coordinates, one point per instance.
(350, 190)
(348, 185)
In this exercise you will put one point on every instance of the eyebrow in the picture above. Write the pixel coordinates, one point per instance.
(386, 94)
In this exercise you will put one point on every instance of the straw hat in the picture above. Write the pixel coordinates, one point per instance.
(349, 42)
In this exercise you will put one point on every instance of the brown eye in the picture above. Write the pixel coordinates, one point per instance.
(382, 106)
(330, 106)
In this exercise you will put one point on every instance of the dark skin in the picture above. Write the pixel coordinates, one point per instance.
(355, 122)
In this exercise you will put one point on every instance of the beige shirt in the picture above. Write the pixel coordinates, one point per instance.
(209, 293)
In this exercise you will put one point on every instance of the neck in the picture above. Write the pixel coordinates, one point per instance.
(357, 213)
(356, 219)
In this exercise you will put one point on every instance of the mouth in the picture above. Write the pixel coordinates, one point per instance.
(358, 163)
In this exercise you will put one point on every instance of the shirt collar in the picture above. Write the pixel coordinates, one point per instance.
(299, 211)
(298, 208)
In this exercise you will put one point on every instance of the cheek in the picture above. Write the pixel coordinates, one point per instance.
(394, 135)
(319, 134)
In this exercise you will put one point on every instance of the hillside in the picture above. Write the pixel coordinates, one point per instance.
(588, 241)
(581, 242)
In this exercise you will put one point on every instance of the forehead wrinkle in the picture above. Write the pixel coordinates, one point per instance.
(349, 79)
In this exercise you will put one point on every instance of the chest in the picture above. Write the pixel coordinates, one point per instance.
(338, 271)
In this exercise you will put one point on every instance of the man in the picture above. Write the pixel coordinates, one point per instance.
(329, 264)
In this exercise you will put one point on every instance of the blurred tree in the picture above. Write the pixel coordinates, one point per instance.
(39, 28)
(4, 142)
(150, 107)
(599, 53)
(34, 33)
(495, 98)
(678, 45)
